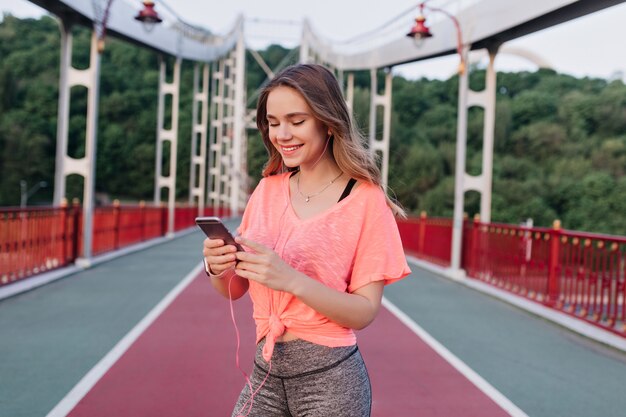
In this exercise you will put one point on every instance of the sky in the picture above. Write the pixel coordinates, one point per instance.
(588, 46)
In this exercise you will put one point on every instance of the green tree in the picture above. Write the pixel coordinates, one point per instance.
(560, 148)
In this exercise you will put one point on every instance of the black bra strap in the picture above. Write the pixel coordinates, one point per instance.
(346, 191)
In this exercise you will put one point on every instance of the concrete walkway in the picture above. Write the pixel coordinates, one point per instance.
(51, 337)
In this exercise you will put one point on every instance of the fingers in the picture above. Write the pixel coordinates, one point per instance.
(247, 274)
(251, 267)
(249, 257)
(213, 243)
(257, 247)
(219, 268)
(219, 256)
(215, 247)
(222, 259)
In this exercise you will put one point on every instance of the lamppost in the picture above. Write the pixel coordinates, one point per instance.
(420, 31)
(26, 194)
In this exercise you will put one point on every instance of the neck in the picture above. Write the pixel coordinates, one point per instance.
(322, 172)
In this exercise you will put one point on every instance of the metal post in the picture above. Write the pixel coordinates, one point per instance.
(459, 190)
(350, 93)
(340, 79)
(383, 100)
(239, 127)
(194, 121)
(211, 136)
(199, 129)
(386, 100)
(488, 135)
(170, 135)
(373, 94)
(64, 111)
(90, 149)
(158, 162)
(23, 193)
(304, 44)
(227, 138)
(216, 135)
(552, 290)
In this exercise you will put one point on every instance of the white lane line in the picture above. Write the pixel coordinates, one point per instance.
(81, 389)
(457, 363)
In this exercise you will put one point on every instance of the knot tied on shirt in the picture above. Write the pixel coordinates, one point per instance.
(276, 329)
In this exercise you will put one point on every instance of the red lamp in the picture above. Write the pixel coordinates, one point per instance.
(148, 16)
(420, 31)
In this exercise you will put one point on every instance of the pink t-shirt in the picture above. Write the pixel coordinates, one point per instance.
(349, 245)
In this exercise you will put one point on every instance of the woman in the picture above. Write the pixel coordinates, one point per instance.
(321, 243)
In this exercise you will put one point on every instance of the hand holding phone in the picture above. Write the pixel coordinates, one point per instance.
(213, 228)
(218, 256)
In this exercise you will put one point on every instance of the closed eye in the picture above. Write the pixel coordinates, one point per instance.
(299, 122)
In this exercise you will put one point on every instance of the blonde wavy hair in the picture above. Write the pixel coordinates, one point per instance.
(320, 89)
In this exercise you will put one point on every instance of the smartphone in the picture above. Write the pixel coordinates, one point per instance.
(215, 229)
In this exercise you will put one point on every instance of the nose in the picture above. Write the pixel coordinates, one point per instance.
(283, 132)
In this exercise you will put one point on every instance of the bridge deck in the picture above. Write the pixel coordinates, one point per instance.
(183, 363)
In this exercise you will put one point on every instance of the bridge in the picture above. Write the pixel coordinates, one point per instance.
(496, 319)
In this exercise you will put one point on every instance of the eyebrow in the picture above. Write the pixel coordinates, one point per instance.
(290, 115)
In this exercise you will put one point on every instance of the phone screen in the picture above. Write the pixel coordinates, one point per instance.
(213, 228)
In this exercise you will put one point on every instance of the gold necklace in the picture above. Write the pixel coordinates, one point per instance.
(308, 197)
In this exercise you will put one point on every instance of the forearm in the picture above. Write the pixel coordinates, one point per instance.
(354, 311)
(238, 286)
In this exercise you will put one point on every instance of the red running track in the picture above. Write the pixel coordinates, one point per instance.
(184, 365)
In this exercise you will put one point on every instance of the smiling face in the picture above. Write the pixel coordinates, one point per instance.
(293, 130)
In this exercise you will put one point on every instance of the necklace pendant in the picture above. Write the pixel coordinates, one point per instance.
(307, 199)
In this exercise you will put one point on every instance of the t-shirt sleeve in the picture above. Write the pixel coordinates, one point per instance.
(379, 255)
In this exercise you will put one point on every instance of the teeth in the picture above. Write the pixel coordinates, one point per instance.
(292, 148)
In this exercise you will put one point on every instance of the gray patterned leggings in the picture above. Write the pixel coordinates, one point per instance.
(308, 380)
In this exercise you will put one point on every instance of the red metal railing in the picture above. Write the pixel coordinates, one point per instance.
(512, 257)
(184, 217)
(581, 274)
(122, 225)
(36, 240)
(427, 238)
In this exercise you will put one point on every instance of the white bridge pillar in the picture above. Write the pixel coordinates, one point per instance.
(167, 135)
(216, 133)
(383, 100)
(463, 181)
(227, 173)
(85, 166)
(200, 118)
